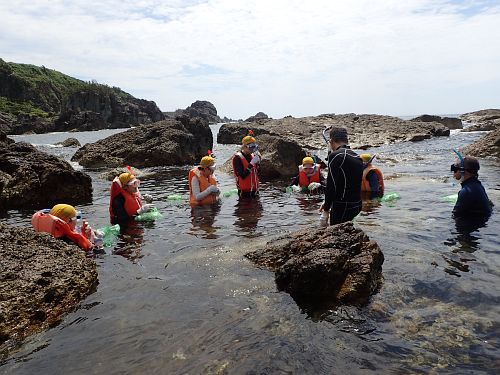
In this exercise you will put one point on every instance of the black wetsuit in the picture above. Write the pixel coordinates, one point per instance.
(472, 200)
(343, 185)
(120, 215)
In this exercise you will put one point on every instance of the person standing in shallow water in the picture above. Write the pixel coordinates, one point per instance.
(246, 167)
(343, 184)
(473, 202)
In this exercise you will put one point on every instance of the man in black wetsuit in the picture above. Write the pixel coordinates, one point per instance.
(343, 184)
(472, 199)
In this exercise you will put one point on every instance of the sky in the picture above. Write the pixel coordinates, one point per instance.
(281, 57)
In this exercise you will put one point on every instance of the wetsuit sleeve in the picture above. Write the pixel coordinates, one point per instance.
(462, 206)
(79, 239)
(238, 167)
(295, 180)
(195, 188)
(373, 181)
(118, 207)
(330, 182)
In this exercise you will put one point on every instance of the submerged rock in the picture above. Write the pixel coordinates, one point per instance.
(170, 142)
(337, 264)
(42, 278)
(486, 146)
(449, 122)
(31, 178)
(70, 142)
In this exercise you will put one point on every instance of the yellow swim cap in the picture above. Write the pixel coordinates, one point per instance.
(248, 139)
(365, 157)
(207, 161)
(125, 178)
(308, 160)
(63, 211)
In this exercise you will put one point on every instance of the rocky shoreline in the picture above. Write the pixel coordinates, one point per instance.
(42, 279)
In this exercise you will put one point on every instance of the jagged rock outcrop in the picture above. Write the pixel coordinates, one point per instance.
(70, 142)
(364, 130)
(449, 122)
(169, 142)
(42, 278)
(200, 108)
(258, 116)
(31, 178)
(484, 120)
(337, 264)
(486, 146)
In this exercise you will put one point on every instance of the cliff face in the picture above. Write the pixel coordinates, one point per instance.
(37, 99)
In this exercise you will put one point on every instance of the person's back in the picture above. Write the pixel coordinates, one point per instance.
(343, 185)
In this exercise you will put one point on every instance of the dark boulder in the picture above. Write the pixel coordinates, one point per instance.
(31, 178)
(70, 142)
(200, 108)
(280, 157)
(486, 146)
(258, 116)
(42, 278)
(326, 266)
(449, 122)
(169, 142)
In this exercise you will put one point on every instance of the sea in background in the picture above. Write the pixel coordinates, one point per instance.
(179, 297)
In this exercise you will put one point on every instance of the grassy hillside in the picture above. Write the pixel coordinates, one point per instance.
(32, 90)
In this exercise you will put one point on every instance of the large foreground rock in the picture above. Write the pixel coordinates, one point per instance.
(169, 142)
(449, 122)
(337, 264)
(486, 146)
(41, 279)
(364, 130)
(31, 178)
(484, 120)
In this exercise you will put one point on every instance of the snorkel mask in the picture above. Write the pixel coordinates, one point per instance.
(253, 146)
(455, 167)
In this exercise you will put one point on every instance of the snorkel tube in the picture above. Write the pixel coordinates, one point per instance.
(462, 162)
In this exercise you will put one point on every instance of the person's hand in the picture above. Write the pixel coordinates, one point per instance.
(147, 198)
(145, 208)
(255, 160)
(296, 188)
(313, 186)
(214, 189)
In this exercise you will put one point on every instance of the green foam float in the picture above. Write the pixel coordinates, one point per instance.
(109, 234)
(230, 193)
(175, 197)
(390, 197)
(151, 215)
(452, 198)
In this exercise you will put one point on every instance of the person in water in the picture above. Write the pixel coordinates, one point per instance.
(125, 201)
(246, 167)
(202, 183)
(372, 183)
(309, 178)
(343, 184)
(472, 199)
(60, 221)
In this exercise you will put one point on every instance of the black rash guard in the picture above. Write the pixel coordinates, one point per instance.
(472, 200)
(343, 185)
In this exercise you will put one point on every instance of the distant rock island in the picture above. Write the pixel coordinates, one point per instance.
(37, 99)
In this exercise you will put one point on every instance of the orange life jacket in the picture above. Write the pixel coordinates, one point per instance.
(305, 180)
(44, 222)
(204, 183)
(132, 201)
(365, 184)
(249, 183)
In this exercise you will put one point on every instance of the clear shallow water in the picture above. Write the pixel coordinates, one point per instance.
(181, 298)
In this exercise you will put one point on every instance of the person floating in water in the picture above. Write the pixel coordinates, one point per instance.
(60, 221)
(309, 178)
(246, 167)
(125, 201)
(372, 183)
(343, 184)
(203, 188)
(472, 202)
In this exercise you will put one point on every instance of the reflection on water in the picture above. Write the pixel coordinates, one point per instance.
(130, 241)
(189, 302)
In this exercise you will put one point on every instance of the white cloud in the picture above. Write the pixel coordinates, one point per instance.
(280, 57)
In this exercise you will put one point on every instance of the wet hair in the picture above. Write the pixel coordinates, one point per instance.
(471, 164)
(338, 134)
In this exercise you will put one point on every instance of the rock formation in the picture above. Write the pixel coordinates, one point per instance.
(318, 267)
(486, 146)
(449, 122)
(42, 278)
(200, 108)
(486, 119)
(31, 178)
(169, 142)
(258, 116)
(70, 142)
